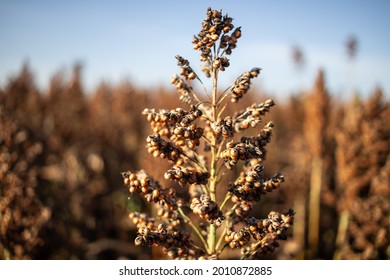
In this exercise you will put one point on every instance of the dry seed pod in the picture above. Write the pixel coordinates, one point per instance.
(187, 175)
(242, 84)
(207, 209)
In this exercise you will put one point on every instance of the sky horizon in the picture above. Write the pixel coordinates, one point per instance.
(138, 41)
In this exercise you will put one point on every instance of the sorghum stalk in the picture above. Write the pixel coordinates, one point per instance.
(316, 125)
(314, 205)
(177, 136)
(213, 168)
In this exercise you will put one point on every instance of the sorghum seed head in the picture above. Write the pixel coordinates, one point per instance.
(176, 137)
(138, 241)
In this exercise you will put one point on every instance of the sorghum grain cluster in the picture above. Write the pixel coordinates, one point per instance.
(200, 142)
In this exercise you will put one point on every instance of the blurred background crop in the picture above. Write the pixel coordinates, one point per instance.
(76, 75)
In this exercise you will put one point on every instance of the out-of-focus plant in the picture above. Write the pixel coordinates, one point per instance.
(22, 214)
(363, 155)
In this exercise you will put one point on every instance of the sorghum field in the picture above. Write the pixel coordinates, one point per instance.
(128, 173)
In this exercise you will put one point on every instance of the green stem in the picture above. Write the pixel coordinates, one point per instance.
(211, 239)
(221, 111)
(194, 228)
(213, 164)
(220, 239)
(227, 197)
(341, 234)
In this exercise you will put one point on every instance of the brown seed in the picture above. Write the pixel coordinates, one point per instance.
(192, 179)
(136, 220)
(237, 32)
(148, 198)
(156, 194)
(138, 241)
(145, 190)
(181, 142)
(249, 179)
(228, 238)
(175, 223)
(233, 244)
(199, 132)
(239, 211)
(191, 76)
(238, 236)
(162, 237)
(240, 181)
(168, 176)
(212, 29)
(286, 219)
(144, 182)
(253, 228)
(187, 134)
(178, 131)
(216, 63)
(214, 37)
(171, 254)
(191, 145)
(179, 174)
(245, 125)
(174, 154)
(246, 207)
(143, 231)
(225, 38)
(238, 91)
(233, 153)
(160, 212)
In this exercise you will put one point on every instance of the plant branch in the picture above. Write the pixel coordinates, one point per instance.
(194, 228)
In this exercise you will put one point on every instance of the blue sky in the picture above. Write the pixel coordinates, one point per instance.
(138, 40)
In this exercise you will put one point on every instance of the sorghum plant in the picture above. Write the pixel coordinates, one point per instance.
(22, 215)
(202, 145)
(363, 162)
(316, 124)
